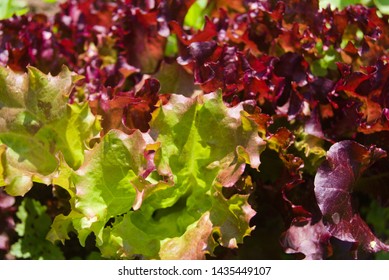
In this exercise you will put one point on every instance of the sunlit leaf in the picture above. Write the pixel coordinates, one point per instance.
(199, 160)
(334, 181)
(106, 185)
(37, 124)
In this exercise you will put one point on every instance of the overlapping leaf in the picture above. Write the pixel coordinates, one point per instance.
(309, 77)
(37, 124)
(109, 183)
(32, 228)
(368, 88)
(202, 147)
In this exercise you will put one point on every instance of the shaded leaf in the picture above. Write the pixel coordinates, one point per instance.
(32, 229)
(7, 223)
(310, 239)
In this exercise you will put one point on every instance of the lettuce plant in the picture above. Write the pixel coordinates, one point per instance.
(195, 129)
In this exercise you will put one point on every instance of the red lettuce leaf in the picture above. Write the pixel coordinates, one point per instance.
(130, 110)
(334, 182)
(28, 39)
(370, 90)
(310, 239)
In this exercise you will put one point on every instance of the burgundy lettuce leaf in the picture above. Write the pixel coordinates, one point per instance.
(296, 195)
(137, 115)
(258, 27)
(141, 38)
(79, 24)
(133, 29)
(310, 239)
(294, 71)
(187, 37)
(291, 178)
(262, 120)
(276, 27)
(127, 111)
(298, 26)
(174, 9)
(340, 118)
(29, 40)
(365, 50)
(370, 89)
(334, 183)
(102, 78)
(357, 103)
(239, 75)
(259, 82)
(216, 66)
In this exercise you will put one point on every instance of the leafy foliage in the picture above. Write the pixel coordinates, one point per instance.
(195, 164)
(33, 227)
(37, 125)
(197, 126)
(10, 7)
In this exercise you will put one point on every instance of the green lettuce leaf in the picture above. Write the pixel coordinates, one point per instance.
(192, 244)
(32, 229)
(108, 184)
(201, 146)
(141, 196)
(37, 125)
